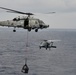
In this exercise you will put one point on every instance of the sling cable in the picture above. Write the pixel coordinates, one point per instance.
(25, 68)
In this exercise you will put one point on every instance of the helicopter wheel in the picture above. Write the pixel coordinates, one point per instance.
(36, 30)
(46, 48)
(14, 30)
(39, 47)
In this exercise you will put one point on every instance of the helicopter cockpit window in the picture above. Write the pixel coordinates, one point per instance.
(41, 22)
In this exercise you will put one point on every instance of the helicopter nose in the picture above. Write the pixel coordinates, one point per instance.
(47, 25)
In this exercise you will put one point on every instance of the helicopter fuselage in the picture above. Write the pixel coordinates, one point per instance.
(28, 23)
(46, 44)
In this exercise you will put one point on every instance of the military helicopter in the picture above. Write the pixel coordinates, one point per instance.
(47, 44)
(29, 22)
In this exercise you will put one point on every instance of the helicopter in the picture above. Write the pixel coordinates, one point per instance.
(29, 22)
(47, 44)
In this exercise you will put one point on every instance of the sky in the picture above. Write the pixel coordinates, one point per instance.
(64, 18)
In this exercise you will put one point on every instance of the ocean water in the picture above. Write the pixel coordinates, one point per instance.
(58, 61)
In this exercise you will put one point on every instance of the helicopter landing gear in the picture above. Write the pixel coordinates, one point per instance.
(36, 30)
(14, 30)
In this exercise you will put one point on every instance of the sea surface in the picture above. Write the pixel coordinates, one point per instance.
(58, 61)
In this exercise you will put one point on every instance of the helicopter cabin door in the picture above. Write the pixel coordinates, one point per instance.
(26, 22)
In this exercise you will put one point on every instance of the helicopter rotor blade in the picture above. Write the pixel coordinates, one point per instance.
(50, 12)
(15, 11)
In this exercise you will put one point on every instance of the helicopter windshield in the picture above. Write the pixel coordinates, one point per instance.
(41, 22)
